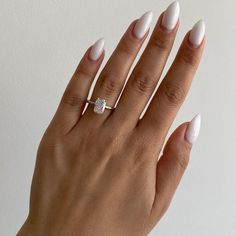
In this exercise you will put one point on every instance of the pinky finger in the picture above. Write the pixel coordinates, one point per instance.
(172, 164)
(74, 98)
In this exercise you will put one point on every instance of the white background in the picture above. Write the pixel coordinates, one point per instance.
(41, 43)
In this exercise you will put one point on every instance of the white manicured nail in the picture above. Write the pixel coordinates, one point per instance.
(197, 33)
(97, 49)
(171, 16)
(193, 129)
(143, 24)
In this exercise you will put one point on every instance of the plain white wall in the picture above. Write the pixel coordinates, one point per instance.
(41, 43)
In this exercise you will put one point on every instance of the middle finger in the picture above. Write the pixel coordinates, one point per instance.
(147, 72)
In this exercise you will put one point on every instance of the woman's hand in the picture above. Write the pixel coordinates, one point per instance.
(99, 174)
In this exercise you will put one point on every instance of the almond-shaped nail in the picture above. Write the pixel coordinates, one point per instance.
(197, 33)
(143, 24)
(193, 129)
(171, 16)
(97, 49)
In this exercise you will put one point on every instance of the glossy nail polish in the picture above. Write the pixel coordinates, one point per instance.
(193, 129)
(143, 24)
(197, 33)
(96, 49)
(171, 16)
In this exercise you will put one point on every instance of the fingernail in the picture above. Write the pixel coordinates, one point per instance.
(197, 33)
(97, 49)
(171, 16)
(143, 24)
(193, 129)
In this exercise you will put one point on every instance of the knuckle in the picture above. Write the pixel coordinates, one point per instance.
(110, 84)
(54, 145)
(142, 149)
(72, 99)
(182, 160)
(82, 72)
(160, 42)
(126, 47)
(144, 82)
(113, 142)
(188, 57)
(174, 94)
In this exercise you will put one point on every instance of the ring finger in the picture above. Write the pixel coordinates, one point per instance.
(114, 74)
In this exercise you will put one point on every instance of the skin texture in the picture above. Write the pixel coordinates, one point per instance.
(100, 174)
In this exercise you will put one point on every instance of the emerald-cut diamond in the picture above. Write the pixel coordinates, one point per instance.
(99, 106)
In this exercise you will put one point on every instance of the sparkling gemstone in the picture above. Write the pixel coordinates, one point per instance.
(99, 105)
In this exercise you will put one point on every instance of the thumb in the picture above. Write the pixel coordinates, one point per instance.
(173, 163)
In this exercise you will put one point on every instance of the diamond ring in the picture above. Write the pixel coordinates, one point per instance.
(100, 105)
